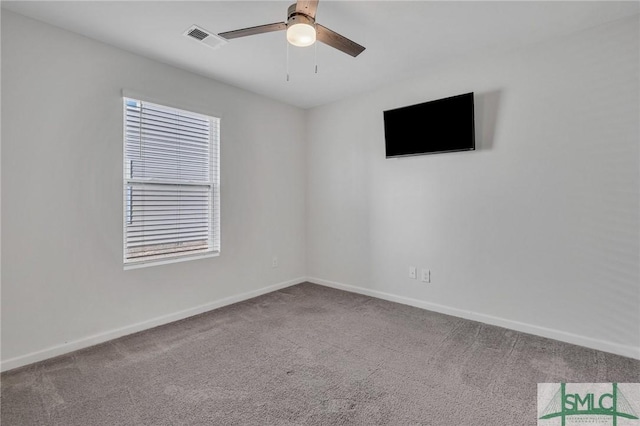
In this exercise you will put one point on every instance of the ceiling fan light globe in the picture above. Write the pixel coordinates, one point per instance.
(301, 34)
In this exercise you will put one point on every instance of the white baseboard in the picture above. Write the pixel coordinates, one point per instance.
(95, 339)
(615, 348)
(563, 336)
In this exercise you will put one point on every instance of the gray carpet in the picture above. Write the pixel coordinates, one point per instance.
(306, 355)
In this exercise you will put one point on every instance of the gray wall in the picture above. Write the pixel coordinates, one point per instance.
(537, 230)
(62, 275)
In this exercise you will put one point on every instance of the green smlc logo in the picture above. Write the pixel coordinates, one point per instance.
(613, 404)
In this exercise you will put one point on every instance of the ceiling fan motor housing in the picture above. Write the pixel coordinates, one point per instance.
(294, 17)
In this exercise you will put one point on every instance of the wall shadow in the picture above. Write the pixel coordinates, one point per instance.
(486, 106)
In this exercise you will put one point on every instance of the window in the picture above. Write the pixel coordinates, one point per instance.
(171, 184)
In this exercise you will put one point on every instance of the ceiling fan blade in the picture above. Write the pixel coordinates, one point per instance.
(260, 29)
(337, 41)
(308, 7)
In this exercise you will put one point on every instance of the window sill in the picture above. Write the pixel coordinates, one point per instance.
(166, 261)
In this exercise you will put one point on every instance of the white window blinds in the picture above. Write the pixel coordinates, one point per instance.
(171, 191)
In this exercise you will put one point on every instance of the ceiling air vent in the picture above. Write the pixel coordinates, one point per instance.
(198, 34)
(206, 37)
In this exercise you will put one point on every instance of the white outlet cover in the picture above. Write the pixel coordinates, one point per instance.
(413, 272)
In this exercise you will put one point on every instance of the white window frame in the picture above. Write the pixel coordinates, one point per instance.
(213, 186)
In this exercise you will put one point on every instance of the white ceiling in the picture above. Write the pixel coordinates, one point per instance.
(403, 38)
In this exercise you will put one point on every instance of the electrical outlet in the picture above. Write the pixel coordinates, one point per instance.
(274, 262)
(426, 276)
(413, 272)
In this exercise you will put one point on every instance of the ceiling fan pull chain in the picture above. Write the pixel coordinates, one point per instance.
(316, 55)
(287, 61)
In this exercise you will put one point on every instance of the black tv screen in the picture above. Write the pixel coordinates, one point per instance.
(444, 125)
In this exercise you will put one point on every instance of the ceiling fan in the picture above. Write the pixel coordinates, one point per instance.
(302, 29)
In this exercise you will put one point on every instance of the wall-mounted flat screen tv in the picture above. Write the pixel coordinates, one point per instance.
(443, 125)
